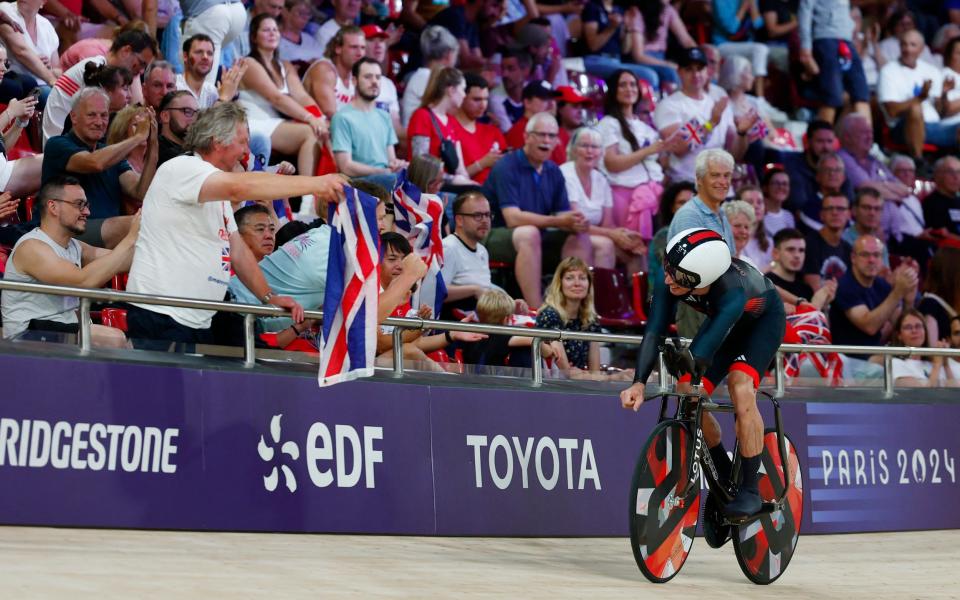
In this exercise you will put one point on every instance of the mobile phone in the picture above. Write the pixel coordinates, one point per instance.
(35, 92)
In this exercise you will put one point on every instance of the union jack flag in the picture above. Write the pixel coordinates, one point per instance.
(225, 258)
(419, 217)
(349, 339)
(694, 133)
(809, 326)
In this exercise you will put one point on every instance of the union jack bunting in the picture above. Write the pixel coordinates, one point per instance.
(348, 343)
(694, 133)
(810, 327)
(418, 217)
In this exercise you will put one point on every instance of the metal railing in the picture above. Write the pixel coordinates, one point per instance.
(401, 324)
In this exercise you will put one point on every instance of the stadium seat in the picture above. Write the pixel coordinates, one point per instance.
(114, 317)
(613, 300)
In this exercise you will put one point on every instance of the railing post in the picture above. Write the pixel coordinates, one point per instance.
(888, 376)
(778, 376)
(84, 325)
(664, 376)
(249, 348)
(537, 357)
(397, 352)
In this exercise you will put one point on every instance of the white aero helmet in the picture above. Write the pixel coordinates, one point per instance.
(697, 257)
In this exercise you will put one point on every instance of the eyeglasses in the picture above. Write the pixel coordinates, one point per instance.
(80, 205)
(912, 327)
(546, 135)
(186, 110)
(478, 216)
(682, 277)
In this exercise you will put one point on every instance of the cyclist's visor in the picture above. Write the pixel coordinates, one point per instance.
(681, 276)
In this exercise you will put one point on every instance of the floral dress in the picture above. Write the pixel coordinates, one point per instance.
(578, 353)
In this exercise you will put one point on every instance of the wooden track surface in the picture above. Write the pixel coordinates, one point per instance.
(86, 563)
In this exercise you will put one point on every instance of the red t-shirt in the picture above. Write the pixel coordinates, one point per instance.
(421, 124)
(516, 134)
(476, 145)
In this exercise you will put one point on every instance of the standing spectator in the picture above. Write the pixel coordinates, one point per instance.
(647, 28)
(569, 307)
(346, 13)
(132, 50)
(296, 45)
(941, 208)
(158, 81)
(506, 100)
(34, 48)
(257, 227)
(51, 254)
(941, 298)
(464, 22)
(828, 254)
(431, 130)
(865, 305)
(828, 55)
(273, 96)
(789, 253)
(776, 190)
(606, 40)
(631, 152)
(102, 170)
(590, 194)
(538, 97)
(758, 248)
(439, 49)
(363, 138)
(736, 78)
(221, 20)
(867, 208)
(388, 99)
(674, 196)
(482, 144)
(532, 216)
(733, 24)
(330, 80)
(911, 93)
(178, 110)
(189, 240)
(713, 117)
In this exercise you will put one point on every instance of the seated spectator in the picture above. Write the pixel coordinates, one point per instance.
(940, 301)
(647, 28)
(606, 40)
(178, 110)
(132, 50)
(758, 248)
(363, 136)
(534, 38)
(221, 20)
(464, 22)
(918, 371)
(95, 46)
(736, 78)
(951, 72)
(631, 155)
(898, 23)
(296, 45)
(102, 169)
(431, 129)
(20, 177)
(910, 91)
(258, 227)
(482, 144)
(346, 13)
(856, 140)
(115, 81)
(867, 208)
(329, 81)
(439, 50)
(866, 43)
(674, 196)
(538, 97)
(714, 62)
(743, 222)
(910, 235)
(197, 62)
(33, 46)
(277, 105)
(865, 304)
(776, 190)
(941, 208)
(532, 216)
(691, 107)
(571, 109)
(802, 166)
(496, 307)
(789, 254)
(830, 178)
(826, 34)
(158, 81)
(124, 126)
(733, 24)
(387, 100)
(828, 254)
(590, 194)
(506, 100)
(51, 254)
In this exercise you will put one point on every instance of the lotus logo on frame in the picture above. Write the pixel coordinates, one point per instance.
(267, 454)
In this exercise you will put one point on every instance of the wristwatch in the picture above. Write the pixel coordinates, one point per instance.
(266, 297)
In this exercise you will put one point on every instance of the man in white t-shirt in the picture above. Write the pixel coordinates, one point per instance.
(387, 99)
(911, 94)
(709, 123)
(189, 241)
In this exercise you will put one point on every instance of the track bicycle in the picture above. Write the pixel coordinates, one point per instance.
(665, 493)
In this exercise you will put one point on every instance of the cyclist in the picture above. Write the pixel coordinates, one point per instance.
(739, 339)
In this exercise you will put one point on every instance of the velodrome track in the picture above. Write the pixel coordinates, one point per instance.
(100, 563)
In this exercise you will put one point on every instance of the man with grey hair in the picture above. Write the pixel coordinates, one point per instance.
(103, 170)
(941, 208)
(714, 171)
(439, 49)
(532, 219)
(158, 81)
(189, 241)
(856, 140)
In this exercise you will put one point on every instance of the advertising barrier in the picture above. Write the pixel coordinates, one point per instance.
(87, 443)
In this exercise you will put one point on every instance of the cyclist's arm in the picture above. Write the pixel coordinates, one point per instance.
(662, 308)
(715, 329)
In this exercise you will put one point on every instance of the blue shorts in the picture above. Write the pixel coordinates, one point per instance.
(940, 135)
(834, 79)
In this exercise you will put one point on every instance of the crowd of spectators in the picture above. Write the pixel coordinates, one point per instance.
(197, 146)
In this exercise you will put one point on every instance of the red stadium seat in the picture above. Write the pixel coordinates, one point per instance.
(613, 300)
(114, 317)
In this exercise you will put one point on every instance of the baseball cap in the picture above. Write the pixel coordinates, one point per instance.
(374, 31)
(570, 96)
(540, 89)
(691, 56)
